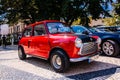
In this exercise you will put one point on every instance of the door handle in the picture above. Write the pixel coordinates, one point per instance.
(29, 41)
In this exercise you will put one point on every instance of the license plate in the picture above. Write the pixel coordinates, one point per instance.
(93, 58)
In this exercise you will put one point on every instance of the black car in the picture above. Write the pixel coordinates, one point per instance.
(110, 44)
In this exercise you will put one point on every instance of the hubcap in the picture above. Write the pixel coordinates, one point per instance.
(108, 48)
(56, 61)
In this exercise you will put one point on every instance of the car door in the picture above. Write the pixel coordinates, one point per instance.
(27, 40)
(41, 41)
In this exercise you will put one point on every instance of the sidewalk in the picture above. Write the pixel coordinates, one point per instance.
(9, 47)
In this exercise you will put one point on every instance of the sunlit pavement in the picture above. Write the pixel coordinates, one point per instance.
(11, 68)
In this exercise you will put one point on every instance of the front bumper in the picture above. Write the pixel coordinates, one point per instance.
(91, 57)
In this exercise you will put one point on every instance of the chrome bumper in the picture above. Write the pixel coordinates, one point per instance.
(84, 58)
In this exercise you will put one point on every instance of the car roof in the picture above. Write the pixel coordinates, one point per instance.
(44, 21)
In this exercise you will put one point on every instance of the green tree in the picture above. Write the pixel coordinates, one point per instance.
(68, 10)
(117, 12)
(117, 7)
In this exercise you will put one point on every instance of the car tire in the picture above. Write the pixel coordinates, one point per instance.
(59, 61)
(21, 53)
(110, 48)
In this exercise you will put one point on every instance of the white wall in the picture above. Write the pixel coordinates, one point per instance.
(4, 29)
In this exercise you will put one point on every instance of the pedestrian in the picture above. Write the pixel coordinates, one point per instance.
(4, 41)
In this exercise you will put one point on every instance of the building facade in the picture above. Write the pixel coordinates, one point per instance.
(15, 31)
(96, 22)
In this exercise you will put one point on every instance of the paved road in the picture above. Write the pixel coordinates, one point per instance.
(11, 68)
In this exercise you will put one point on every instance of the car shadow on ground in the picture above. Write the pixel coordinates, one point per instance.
(81, 70)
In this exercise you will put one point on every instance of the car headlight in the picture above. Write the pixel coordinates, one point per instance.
(99, 40)
(78, 42)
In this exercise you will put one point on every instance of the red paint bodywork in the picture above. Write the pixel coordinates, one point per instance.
(41, 46)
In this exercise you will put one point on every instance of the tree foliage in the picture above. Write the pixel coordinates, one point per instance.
(117, 7)
(110, 21)
(117, 12)
(68, 10)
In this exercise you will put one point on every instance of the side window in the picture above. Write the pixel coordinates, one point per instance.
(39, 30)
(27, 32)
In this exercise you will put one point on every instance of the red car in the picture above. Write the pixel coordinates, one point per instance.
(54, 40)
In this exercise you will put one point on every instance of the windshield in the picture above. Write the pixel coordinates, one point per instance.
(95, 30)
(79, 29)
(58, 27)
(114, 29)
(106, 29)
(99, 30)
(118, 29)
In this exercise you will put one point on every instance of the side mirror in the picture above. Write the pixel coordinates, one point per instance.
(20, 36)
(85, 32)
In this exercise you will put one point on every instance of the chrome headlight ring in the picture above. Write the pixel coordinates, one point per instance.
(78, 42)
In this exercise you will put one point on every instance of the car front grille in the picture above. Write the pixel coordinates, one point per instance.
(88, 48)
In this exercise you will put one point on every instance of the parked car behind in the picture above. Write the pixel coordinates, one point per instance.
(110, 44)
(109, 28)
(54, 41)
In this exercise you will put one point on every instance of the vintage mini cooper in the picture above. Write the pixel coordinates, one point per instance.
(54, 41)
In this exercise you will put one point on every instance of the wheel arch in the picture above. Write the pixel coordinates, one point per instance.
(20, 46)
(105, 39)
(116, 47)
(57, 48)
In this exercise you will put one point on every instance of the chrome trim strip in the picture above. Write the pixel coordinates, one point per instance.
(30, 55)
(81, 58)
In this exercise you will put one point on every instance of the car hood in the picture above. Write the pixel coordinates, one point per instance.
(84, 38)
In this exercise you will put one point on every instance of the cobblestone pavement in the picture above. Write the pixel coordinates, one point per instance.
(11, 68)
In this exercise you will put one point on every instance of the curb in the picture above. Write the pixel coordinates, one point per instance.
(10, 47)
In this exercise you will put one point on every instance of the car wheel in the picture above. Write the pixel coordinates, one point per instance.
(21, 53)
(110, 48)
(59, 61)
